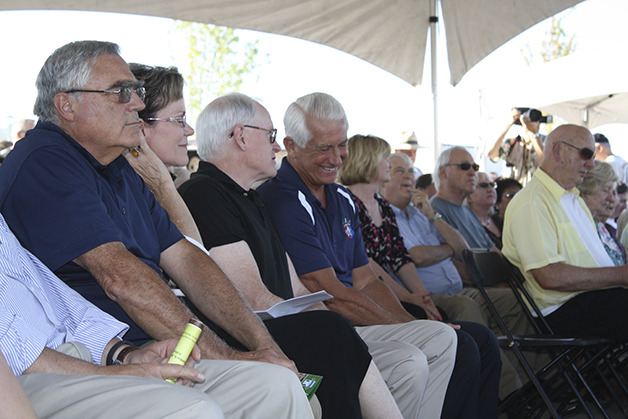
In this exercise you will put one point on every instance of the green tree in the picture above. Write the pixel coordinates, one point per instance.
(557, 44)
(218, 61)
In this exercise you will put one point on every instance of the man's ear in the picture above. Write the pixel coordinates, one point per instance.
(238, 137)
(442, 172)
(64, 104)
(290, 146)
(556, 151)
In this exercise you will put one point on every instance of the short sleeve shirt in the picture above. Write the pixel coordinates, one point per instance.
(315, 237)
(463, 219)
(61, 203)
(538, 232)
(416, 230)
(225, 213)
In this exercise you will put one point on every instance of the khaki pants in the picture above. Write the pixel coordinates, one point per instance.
(416, 360)
(232, 389)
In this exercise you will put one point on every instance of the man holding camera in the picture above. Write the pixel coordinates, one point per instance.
(524, 153)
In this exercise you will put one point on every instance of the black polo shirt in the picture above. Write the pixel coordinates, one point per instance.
(226, 213)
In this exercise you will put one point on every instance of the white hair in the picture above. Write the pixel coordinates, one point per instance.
(316, 105)
(217, 121)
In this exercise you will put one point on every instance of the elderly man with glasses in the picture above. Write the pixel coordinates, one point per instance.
(550, 236)
(75, 202)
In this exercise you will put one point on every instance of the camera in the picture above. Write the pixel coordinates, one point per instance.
(534, 115)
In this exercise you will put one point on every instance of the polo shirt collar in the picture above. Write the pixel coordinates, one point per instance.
(111, 171)
(290, 175)
(210, 169)
(552, 186)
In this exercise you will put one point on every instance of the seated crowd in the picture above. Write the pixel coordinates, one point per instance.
(105, 257)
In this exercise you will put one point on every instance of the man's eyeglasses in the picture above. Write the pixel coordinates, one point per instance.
(485, 185)
(124, 93)
(176, 119)
(465, 166)
(272, 133)
(510, 195)
(585, 152)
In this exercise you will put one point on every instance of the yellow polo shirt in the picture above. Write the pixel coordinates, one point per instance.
(538, 232)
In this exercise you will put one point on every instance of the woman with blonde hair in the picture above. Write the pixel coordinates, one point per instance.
(597, 191)
(363, 172)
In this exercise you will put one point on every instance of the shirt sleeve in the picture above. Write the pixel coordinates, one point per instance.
(207, 203)
(55, 209)
(296, 227)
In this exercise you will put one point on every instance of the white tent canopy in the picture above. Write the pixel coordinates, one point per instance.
(391, 34)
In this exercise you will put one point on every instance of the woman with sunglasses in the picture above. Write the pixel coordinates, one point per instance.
(597, 192)
(482, 202)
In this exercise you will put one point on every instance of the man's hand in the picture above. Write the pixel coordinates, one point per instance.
(425, 302)
(270, 355)
(421, 201)
(159, 353)
(183, 374)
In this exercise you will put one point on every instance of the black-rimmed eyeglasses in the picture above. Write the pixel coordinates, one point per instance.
(176, 119)
(465, 166)
(272, 133)
(585, 152)
(124, 93)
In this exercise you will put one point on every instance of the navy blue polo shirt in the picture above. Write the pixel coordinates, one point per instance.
(315, 237)
(61, 203)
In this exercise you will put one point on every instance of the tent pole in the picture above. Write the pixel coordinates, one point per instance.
(434, 75)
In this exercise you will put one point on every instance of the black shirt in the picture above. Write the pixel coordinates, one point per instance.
(226, 213)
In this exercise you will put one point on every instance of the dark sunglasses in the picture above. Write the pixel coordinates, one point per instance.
(585, 153)
(465, 166)
(510, 195)
(485, 185)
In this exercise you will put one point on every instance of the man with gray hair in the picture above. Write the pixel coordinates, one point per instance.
(75, 202)
(455, 176)
(319, 226)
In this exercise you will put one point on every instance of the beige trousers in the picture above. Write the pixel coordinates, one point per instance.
(232, 389)
(416, 360)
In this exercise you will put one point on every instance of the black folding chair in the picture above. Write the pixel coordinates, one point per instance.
(560, 382)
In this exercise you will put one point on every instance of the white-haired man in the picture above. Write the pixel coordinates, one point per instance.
(320, 228)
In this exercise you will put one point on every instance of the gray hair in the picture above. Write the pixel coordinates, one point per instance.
(316, 105)
(403, 157)
(442, 160)
(602, 172)
(218, 120)
(67, 68)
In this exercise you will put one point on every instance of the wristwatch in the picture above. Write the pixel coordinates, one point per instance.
(436, 216)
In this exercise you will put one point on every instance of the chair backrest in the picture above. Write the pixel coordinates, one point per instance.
(491, 268)
(487, 268)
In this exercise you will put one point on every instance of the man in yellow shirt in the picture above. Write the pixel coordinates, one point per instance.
(550, 236)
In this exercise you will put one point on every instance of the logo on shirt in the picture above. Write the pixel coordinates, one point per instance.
(346, 226)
